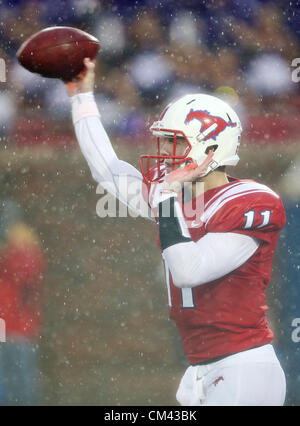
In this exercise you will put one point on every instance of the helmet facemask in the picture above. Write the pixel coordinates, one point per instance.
(156, 165)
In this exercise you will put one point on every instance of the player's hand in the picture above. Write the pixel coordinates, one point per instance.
(83, 82)
(191, 172)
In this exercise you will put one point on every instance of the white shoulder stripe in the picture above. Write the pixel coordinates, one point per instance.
(232, 193)
(221, 192)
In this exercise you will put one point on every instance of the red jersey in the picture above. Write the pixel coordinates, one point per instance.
(228, 315)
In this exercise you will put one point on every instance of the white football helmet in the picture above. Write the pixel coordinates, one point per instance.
(205, 122)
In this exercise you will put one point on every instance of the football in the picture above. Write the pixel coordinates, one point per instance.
(58, 52)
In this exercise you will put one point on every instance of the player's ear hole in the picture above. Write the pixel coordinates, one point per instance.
(211, 147)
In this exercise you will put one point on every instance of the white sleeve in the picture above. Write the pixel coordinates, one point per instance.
(119, 178)
(212, 257)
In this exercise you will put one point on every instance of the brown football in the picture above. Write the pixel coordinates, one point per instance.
(58, 52)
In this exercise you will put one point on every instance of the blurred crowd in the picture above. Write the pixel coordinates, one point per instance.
(154, 51)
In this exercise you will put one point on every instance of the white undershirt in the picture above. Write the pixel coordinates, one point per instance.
(212, 257)
(105, 166)
(191, 264)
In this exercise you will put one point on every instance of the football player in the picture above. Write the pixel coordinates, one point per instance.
(217, 243)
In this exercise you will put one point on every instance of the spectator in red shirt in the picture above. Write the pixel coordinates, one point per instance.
(21, 272)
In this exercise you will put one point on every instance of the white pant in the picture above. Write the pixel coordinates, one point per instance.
(252, 377)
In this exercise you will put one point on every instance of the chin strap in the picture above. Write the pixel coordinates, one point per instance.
(213, 165)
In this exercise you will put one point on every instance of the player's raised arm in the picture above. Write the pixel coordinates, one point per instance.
(121, 179)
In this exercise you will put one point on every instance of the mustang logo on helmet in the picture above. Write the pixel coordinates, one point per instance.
(217, 124)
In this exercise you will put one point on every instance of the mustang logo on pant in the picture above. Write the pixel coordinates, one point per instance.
(218, 380)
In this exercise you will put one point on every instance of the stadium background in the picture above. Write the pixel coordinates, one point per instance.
(102, 335)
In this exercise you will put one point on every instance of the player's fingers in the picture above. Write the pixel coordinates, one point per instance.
(207, 161)
(203, 167)
(209, 157)
(89, 64)
(191, 166)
